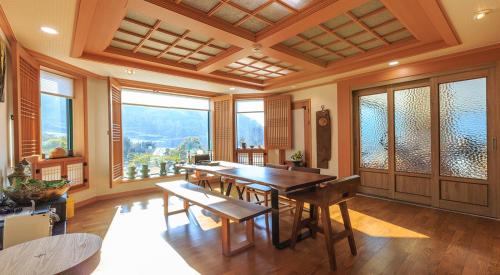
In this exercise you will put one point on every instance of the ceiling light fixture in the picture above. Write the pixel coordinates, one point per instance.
(49, 30)
(481, 14)
(130, 71)
(232, 88)
(394, 63)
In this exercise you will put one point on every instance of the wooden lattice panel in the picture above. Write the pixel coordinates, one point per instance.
(367, 27)
(278, 122)
(259, 68)
(223, 128)
(29, 111)
(250, 15)
(157, 39)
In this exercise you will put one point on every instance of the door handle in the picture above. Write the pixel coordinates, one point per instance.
(494, 144)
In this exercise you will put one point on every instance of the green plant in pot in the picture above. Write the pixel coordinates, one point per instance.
(132, 171)
(177, 170)
(297, 158)
(163, 168)
(145, 171)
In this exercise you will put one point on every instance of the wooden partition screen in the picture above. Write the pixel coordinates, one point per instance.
(278, 122)
(26, 104)
(115, 133)
(223, 125)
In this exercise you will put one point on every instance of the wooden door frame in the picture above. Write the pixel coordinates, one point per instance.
(493, 116)
(304, 104)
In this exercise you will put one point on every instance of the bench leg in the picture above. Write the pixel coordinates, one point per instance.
(186, 205)
(165, 203)
(348, 227)
(226, 238)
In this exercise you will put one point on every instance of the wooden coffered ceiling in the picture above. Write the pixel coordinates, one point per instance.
(259, 44)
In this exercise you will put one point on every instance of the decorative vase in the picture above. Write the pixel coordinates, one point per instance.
(243, 145)
(145, 171)
(132, 172)
(163, 168)
(297, 163)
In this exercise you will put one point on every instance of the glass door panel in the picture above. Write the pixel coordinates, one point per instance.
(412, 130)
(374, 144)
(463, 129)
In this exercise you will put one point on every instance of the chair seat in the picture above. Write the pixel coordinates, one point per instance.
(259, 187)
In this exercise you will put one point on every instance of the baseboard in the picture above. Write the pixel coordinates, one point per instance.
(95, 199)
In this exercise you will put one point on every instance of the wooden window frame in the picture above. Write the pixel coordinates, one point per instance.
(249, 151)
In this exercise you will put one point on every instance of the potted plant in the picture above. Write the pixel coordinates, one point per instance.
(297, 158)
(177, 170)
(145, 171)
(132, 171)
(243, 143)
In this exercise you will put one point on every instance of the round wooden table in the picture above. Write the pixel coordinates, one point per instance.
(76, 253)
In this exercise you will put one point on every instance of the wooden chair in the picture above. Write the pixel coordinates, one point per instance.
(306, 169)
(203, 179)
(336, 192)
(23, 228)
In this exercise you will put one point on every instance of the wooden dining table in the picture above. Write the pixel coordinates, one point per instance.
(280, 181)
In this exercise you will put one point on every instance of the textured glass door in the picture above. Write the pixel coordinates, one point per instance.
(373, 131)
(463, 129)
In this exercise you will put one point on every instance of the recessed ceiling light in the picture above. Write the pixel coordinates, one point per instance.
(49, 30)
(394, 63)
(481, 14)
(130, 71)
(232, 88)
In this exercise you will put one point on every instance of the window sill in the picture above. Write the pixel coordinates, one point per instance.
(150, 179)
(59, 160)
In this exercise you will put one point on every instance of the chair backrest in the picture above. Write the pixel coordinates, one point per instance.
(306, 169)
(277, 166)
(201, 157)
(339, 190)
(24, 228)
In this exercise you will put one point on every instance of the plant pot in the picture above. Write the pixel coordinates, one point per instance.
(163, 168)
(177, 170)
(243, 145)
(145, 171)
(297, 163)
(132, 172)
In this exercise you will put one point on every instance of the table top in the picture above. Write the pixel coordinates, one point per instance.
(49, 255)
(283, 180)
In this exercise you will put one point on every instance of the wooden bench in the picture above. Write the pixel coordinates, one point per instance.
(227, 208)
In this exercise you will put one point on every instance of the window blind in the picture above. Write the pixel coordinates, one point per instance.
(157, 99)
(55, 84)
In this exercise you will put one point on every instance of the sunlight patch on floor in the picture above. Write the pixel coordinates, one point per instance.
(374, 227)
(134, 244)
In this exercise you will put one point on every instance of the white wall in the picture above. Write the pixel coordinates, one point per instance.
(322, 95)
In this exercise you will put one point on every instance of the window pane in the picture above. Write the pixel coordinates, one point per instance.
(164, 100)
(56, 84)
(250, 128)
(250, 105)
(373, 131)
(463, 129)
(54, 122)
(152, 135)
(412, 123)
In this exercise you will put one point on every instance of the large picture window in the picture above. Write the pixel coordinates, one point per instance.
(56, 112)
(160, 127)
(250, 122)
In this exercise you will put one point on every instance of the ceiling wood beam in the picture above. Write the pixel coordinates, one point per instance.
(227, 57)
(148, 35)
(366, 28)
(83, 20)
(440, 20)
(420, 26)
(110, 58)
(309, 17)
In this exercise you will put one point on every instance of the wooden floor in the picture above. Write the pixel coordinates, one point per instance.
(392, 238)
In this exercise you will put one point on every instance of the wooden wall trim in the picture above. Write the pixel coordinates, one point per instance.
(485, 56)
(306, 105)
(62, 66)
(165, 88)
(6, 29)
(83, 21)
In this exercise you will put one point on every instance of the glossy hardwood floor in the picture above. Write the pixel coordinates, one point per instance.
(392, 238)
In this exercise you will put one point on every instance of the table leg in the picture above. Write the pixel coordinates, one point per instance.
(275, 219)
